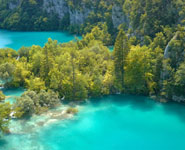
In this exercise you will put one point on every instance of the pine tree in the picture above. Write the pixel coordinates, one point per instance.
(121, 50)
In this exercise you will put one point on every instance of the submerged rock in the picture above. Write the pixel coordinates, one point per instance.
(36, 122)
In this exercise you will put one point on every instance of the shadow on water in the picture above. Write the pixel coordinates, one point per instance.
(141, 103)
(12, 91)
(176, 109)
(2, 142)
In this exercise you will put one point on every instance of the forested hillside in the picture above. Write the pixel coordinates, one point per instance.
(141, 17)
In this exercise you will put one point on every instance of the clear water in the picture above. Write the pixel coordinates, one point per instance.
(16, 40)
(111, 48)
(12, 94)
(110, 123)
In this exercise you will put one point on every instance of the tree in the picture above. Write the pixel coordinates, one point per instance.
(99, 33)
(25, 106)
(180, 80)
(35, 84)
(173, 62)
(6, 72)
(120, 52)
(2, 96)
(31, 102)
(138, 71)
(5, 110)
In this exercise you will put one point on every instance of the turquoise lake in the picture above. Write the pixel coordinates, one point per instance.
(119, 122)
(16, 40)
(12, 94)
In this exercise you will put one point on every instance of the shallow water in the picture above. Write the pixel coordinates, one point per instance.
(110, 123)
(12, 94)
(111, 48)
(16, 40)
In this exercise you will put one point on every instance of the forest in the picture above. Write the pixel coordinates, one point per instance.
(148, 56)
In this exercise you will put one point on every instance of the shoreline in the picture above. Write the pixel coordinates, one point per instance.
(24, 126)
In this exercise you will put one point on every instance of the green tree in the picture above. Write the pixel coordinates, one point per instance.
(180, 80)
(6, 72)
(2, 96)
(139, 72)
(5, 110)
(25, 106)
(120, 53)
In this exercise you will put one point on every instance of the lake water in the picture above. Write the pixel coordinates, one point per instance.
(12, 94)
(117, 122)
(111, 48)
(16, 40)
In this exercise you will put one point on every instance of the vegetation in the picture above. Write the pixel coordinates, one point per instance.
(4, 117)
(121, 50)
(71, 110)
(2, 96)
(31, 102)
(148, 56)
(27, 16)
(86, 68)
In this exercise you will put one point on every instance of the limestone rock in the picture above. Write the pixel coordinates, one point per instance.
(118, 17)
(58, 7)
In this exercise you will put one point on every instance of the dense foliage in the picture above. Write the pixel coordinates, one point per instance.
(86, 68)
(27, 16)
(2, 96)
(31, 102)
(4, 117)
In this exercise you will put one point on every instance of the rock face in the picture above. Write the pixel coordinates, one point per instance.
(58, 7)
(78, 17)
(61, 8)
(166, 52)
(169, 53)
(14, 4)
(178, 98)
(118, 17)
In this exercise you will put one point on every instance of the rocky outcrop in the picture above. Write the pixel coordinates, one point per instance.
(118, 17)
(61, 8)
(172, 52)
(58, 7)
(78, 17)
(178, 98)
(166, 52)
(14, 4)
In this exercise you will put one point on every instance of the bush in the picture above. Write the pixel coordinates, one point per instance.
(71, 110)
(2, 96)
(31, 102)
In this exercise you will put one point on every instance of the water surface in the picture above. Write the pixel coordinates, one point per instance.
(111, 48)
(11, 94)
(110, 123)
(16, 40)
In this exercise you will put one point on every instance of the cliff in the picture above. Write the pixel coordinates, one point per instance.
(118, 16)
(58, 7)
(61, 8)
